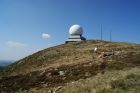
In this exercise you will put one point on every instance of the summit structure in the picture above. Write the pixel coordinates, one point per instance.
(76, 32)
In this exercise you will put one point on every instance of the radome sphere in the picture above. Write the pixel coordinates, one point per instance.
(76, 30)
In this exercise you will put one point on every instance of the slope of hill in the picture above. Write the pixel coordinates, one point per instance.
(120, 81)
(51, 69)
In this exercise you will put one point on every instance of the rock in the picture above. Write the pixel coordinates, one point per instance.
(49, 91)
(42, 72)
(72, 82)
(117, 53)
(48, 74)
(57, 89)
(61, 73)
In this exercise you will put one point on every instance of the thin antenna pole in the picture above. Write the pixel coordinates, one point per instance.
(101, 33)
(111, 35)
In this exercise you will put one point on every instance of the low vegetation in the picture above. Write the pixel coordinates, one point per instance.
(76, 68)
(122, 81)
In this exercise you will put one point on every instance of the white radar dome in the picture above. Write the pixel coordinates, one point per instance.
(76, 30)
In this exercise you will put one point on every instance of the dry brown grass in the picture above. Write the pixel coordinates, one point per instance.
(123, 81)
(78, 60)
(71, 53)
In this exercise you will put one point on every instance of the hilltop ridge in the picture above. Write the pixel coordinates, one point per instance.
(65, 63)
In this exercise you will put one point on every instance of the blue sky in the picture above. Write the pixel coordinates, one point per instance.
(23, 22)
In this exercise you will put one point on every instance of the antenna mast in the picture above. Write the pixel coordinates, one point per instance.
(111, 35)
(101, 33)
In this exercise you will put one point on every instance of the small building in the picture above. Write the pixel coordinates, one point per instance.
(76, 32)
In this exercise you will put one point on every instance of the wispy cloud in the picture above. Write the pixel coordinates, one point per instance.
(49, 45)
(15, 44)
(46, 36)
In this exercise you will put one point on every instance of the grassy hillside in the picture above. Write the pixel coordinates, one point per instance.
(73, 53)
(122, 81)
(56, 67)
